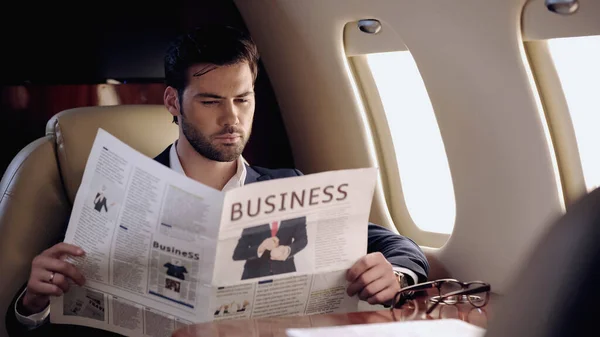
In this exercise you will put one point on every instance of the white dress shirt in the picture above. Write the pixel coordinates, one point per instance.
(32, 321)
(237, 180)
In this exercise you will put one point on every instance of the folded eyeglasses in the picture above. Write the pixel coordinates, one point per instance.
(449, 291)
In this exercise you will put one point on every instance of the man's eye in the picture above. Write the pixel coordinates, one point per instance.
(210, 102)
(245, 100)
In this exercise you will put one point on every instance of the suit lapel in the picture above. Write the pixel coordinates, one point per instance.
(164, 157)
(253, 176)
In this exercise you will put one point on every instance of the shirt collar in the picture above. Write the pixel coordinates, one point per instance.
(236, 181)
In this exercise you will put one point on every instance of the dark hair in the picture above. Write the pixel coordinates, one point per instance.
(212, 44)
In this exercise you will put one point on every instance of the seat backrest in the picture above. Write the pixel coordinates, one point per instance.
(557, 291)
(147, 128)
(40, 184)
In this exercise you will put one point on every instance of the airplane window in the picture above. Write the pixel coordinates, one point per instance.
(577, 62)
(420, 153)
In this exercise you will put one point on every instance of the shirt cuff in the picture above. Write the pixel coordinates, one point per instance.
(34, 320)
(408, 273)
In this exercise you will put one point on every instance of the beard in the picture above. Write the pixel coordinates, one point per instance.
(202, 143)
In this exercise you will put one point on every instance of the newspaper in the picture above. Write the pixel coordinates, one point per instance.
(164, 251)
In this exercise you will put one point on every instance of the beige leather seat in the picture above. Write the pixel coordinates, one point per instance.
(39, 186)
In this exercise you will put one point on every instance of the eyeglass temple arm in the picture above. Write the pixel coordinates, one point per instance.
(418, 287)
(411, 289)
(426, 285)
(475, 290)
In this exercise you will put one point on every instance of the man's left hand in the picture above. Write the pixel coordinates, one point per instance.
(373, 279)
(280, 253)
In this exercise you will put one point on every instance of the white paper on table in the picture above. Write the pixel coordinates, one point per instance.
(425, 328)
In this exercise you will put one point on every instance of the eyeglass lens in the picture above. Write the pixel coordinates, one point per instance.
(450, 287)
(477, 299)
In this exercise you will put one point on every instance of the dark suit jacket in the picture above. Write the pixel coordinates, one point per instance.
(291, 233)
(399, 250)
(101, 203)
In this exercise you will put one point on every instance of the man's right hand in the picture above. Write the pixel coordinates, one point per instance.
(49, 276)
(268, 244)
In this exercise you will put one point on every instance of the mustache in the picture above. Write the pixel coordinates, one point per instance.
(230, 130)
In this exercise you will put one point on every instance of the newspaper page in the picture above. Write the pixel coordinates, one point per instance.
(285, 245)
(164, 251)
(150, 240)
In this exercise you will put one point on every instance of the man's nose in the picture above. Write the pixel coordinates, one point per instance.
(229, 114)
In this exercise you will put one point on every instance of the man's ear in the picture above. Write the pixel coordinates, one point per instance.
(171, 100)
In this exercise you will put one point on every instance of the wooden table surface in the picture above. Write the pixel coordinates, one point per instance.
(276, 326)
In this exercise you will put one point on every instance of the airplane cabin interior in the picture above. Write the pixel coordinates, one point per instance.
(481, 118)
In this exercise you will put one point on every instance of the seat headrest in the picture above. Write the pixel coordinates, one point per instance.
(146, 128)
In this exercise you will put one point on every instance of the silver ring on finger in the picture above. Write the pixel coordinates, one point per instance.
(51, 278)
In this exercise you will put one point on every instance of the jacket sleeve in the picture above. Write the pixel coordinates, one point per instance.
(245, 249)
(300, 239)
(399, 250)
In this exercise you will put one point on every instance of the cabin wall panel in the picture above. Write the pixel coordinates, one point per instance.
(471, 57)
(541, 24)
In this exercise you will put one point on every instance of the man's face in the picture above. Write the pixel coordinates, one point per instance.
(217, 110)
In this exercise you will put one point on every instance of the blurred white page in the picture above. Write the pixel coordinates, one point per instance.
(440, 327)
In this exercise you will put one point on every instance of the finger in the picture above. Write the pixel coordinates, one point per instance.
(61, 281)
(276, 241)
(40, 274)
(266, 244)
(63, 248)
(383, 296)
(362, 281)
(42, 288)
(59, 266)
(363, 264)
(373, 288)
(281, 255)
(365, 279)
